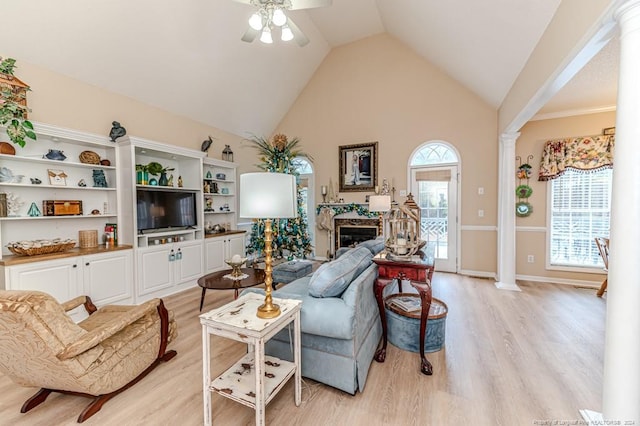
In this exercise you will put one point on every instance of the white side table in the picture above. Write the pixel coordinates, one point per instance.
(253, 384)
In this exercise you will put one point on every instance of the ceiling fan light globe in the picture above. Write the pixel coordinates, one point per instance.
(287, 34)
(279, 18)
(255, 21)
(266, 36)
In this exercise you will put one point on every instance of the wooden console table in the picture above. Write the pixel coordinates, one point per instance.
(418, 270)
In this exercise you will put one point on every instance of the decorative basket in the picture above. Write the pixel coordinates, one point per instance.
(89, 157)
(7, 148)
(88, 239)
(36, 247)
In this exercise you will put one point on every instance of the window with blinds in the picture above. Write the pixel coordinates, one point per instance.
(580, 208)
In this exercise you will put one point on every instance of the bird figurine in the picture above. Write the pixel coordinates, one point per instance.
(206, 144)
(117, 131)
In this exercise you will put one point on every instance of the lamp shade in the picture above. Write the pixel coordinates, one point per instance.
(268, 196)
(379, 203)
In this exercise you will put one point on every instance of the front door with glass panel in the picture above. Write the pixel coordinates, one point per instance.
(435, 191)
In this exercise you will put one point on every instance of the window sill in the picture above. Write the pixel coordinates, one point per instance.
(580, 269)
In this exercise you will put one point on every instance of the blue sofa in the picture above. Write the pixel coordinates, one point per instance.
(340, 322)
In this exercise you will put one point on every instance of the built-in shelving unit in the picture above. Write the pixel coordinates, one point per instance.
(103, 273)
(31, 185)
(219, 193)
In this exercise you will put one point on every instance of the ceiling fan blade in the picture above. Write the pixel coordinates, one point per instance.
(243, 1)
(308, 4)
(250, 35)
(298, 35)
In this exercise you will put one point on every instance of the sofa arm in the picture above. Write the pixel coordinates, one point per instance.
(106, 330)
(361, 298)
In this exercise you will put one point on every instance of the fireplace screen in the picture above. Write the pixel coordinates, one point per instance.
(351, 232)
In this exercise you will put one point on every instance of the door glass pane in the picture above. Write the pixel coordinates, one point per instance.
(433, 199)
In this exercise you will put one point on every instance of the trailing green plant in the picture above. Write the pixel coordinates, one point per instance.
(154, 168)
(12, 112)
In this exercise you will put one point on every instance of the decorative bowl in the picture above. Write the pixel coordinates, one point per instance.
(236, 265)
(55, 154)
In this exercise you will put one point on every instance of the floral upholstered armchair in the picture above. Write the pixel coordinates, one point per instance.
(113, 348)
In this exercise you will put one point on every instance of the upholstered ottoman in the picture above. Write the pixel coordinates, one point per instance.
(290, 271)
(403, 328)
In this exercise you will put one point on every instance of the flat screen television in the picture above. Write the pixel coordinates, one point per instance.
(165, 209)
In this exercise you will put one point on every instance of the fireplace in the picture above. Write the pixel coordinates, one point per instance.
(350, 232)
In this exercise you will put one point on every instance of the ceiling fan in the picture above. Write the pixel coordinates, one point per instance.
(271, 15)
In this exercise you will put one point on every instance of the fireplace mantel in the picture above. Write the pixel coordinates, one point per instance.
(348, 217)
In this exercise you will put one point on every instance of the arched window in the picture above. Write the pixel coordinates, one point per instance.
(434, 153)
(303, 166)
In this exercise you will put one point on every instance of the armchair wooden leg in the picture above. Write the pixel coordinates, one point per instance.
(602, 288)
(35, 400)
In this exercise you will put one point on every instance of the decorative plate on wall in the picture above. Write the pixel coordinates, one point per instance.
(523, 209)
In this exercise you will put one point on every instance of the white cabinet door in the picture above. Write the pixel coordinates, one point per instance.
(188, 263)
(59, 278)
(214, 254)
(108, 277)
(155, 268)
(235, 245)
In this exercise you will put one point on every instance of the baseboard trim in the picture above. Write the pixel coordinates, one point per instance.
(563, 281)
(480, 274)
(508, 286)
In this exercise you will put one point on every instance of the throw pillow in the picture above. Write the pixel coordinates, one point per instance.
(375, 246)
(331, 279)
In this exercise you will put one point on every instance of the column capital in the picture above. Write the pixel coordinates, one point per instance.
(626, 7)
(509, 139)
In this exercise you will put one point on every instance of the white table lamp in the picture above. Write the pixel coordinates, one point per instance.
(380, 204)
(268, 196)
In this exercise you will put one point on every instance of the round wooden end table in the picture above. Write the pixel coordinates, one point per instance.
(217, 281)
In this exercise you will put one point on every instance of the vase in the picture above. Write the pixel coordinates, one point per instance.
(142, 178)
(163, 181)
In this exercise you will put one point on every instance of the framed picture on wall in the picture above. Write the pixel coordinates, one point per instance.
(609, 131)
(358, 167)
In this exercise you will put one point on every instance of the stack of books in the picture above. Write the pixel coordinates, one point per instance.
(407, 303)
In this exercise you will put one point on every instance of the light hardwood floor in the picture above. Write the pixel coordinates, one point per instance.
(510, 359)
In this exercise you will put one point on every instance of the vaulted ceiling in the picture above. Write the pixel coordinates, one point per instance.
(187, 57)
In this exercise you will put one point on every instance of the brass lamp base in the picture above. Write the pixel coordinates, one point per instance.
(267, 311)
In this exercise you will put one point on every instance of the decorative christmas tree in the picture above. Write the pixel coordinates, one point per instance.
(290, 236)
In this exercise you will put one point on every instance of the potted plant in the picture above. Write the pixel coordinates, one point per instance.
(13, 108)
(154, 168)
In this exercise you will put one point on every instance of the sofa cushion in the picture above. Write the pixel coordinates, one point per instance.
(374, 246)
(332, 278)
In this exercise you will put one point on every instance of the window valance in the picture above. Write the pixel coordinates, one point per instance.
(585, 153)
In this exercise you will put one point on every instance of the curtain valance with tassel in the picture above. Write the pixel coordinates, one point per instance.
(585, 153)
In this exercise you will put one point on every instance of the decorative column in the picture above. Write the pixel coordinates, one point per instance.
(506, 213)
(621, 388)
